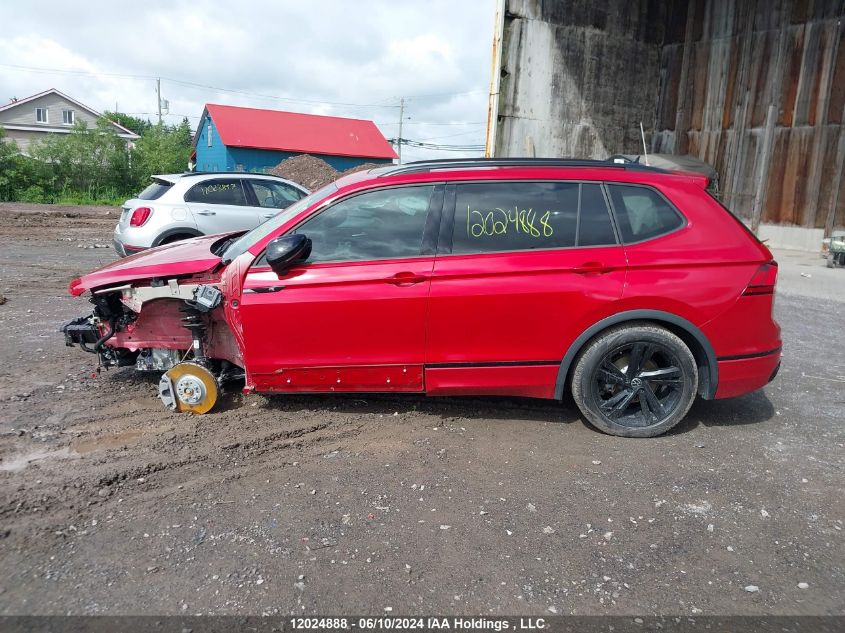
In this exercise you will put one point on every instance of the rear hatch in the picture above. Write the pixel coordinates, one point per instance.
(161, 184)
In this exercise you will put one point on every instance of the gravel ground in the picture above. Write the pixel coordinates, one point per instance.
(297, 504)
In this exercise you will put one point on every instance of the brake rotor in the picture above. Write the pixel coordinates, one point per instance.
(188, 388)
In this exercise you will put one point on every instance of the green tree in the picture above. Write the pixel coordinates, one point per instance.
(131, 123)
(88, 162)
(18, 173)
(91, 164)
(162, 149)
(8, 156)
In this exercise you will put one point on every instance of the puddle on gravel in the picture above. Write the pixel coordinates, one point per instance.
(76, 449)
(19, 462)
(103, 443)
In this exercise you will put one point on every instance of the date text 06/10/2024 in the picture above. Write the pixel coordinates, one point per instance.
(428, 623)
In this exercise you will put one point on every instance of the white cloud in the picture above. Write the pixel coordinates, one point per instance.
(322, 54)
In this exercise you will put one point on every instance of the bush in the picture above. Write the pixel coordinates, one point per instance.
(33, 193)
(91, 166)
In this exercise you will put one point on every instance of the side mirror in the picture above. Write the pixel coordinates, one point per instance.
(283, 252)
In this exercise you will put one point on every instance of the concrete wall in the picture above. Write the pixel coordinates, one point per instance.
(755, 87)
(578, 76)
(791, 237)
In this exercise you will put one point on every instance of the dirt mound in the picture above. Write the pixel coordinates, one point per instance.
(312, 172)
(306, 170)
(363, 167)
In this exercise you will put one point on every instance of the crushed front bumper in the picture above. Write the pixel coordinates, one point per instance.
(83, 332)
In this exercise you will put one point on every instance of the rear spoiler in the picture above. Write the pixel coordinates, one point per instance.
(168, 179)
(699, 179)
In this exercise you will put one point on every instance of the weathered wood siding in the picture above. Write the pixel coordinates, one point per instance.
(757, 88)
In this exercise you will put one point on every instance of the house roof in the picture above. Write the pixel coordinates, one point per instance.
(295, 132)
(122, 131)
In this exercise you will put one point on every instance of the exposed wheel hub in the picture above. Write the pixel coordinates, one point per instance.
(190, 390)
(188, 387)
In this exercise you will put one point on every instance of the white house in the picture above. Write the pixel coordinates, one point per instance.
(49, 112)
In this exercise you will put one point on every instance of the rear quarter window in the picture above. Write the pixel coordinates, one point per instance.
(642, 213)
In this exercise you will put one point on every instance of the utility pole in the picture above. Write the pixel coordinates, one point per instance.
(158, 98)
(401, 116)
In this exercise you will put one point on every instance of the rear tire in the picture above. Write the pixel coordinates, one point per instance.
(635, 380)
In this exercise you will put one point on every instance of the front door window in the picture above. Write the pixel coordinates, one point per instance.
(384, 224)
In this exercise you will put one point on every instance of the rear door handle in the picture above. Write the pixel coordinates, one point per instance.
(406, 279)
(206, 212)
(588, 268)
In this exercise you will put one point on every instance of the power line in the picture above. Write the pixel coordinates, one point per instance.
(439, 146)
(191, 84)
(433, 123)
(446, 94)
(434, 138)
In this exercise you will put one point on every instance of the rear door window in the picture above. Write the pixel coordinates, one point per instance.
(274, 195)
(642, 213)
(518, 216)
(217, 191)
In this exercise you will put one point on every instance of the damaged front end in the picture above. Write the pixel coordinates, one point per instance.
(171, 326)
(92, 332)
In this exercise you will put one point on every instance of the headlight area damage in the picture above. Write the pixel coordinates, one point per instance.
(169, 325)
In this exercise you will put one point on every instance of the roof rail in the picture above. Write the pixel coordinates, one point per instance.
(229, 173)
(474, 163)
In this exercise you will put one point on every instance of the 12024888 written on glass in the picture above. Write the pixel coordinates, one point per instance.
(629, 287)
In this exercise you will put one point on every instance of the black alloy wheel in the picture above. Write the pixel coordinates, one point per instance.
(635, 381)
(638, 384)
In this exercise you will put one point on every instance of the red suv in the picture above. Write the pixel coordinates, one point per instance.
(629, 286)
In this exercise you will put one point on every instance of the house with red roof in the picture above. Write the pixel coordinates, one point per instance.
(231, 138)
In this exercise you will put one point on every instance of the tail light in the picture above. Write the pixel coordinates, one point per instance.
(764, 280)
(140, 216)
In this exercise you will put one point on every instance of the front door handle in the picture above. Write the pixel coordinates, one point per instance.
(591, 268)
(206, 212)
(406, 279)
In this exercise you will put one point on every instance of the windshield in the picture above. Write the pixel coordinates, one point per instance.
(241, 245)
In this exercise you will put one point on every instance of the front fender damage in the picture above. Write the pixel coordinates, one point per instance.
(157, 326)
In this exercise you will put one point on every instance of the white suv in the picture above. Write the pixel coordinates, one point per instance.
(179, 206)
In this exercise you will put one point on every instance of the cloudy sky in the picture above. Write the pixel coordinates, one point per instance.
(334, 57)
